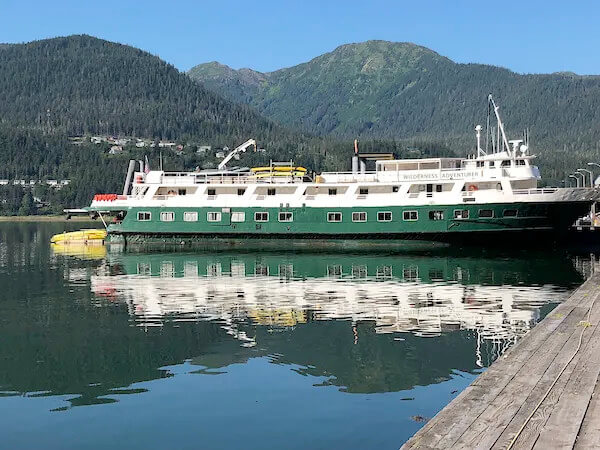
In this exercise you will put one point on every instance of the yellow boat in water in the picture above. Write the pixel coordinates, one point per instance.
(89, 250)
(81, 236)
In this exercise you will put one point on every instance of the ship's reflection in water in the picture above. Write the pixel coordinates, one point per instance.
(241, 349)
(497, 300)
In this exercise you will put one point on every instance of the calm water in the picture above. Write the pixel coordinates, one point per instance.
(247, 350)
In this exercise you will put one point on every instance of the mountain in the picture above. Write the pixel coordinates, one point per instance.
(57, 88)
(81, 84)
(380, 89)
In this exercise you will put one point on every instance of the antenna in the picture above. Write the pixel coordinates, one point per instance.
(480, 152)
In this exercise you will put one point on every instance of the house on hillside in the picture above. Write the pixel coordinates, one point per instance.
(140, 143)
(115, 150)
(203, 149)
(220, 155)
(163, 144)
(97, 139)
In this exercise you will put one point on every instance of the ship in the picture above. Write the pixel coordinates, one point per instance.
(489, 194)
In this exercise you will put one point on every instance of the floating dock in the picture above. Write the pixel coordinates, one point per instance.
(543, 393)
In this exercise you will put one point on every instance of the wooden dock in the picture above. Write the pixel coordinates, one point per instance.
(513, 397)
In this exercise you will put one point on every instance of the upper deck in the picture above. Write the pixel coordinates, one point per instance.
(492, 167)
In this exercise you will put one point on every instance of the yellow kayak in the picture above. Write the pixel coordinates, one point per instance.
(279, 169)
(278, 174)
(79, 236)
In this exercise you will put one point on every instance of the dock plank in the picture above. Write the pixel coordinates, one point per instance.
(563, 425)
(589, 435)
(489, 412)
(531, 433)
(501, 410)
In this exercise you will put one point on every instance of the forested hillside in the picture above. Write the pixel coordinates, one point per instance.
(388, 90)
(80, 84)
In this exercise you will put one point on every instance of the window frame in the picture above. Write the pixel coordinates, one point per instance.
(329, 216)
(359, 220)
(271, 191)
(363, 191)
(409, 212)
(436, 217)
(332, 191)
(291, 216)
(186, 216)
(491, 216)
(235, 215)
(217, 214)
(256, 219)
(516, 214)
(209, 190)
(379, 219)
(164, 214)
(144, 220)
(454, 215)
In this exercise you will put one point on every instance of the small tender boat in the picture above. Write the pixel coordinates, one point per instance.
(82, 236)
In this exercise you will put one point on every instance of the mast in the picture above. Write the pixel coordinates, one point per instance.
(500, 126)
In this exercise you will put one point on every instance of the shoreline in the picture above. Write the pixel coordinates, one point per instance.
(57, 218)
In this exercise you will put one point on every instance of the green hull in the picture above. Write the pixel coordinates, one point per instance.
(431, 223)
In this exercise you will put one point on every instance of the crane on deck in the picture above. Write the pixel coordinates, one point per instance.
(240, 149)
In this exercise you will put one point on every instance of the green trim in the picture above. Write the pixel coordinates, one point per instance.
(311, 221)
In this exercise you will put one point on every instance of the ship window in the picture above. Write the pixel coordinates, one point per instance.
(261, 217)
(410, 215)
(167, 216)
(211, 192)
(332, 191)
(461, 213)
(359, 217)
(480, 163)
(384, 216)
(486, 213)
(436, 215)
(505, 163)
(510, 213)
(241, 191)
(144, 216)
(286, 217)
(395, 188)
(492, 164)
(363, 191)
(213, 216)
(271, 191)
(520, 162)
(238, 216)
(190, 217)
(334, 271)
(334, 217)
(438, 188)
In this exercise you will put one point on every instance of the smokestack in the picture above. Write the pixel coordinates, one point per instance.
(130, 170)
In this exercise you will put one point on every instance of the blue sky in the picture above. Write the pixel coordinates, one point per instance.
(525, 36)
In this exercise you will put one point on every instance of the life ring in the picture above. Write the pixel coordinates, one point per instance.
(472, 188)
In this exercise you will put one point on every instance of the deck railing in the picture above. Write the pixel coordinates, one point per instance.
(535, 191)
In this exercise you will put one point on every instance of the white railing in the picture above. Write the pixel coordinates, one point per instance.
(187, 178)
(534, 191)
